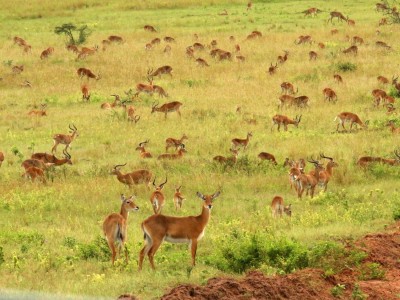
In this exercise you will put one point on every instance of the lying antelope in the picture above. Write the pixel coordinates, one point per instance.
(178, 198)
(171, 142)
(351, 50)
(267, 156)
(227, 160)
(115, 227)
(39, 113)
(179, 154)
(158, 228)
(65, 139)
(143, 152)
(167, 107)
(393, 128)
(115, 39)
(277, 207)
(157, 198)
(312, 55)
(149, 28)
(236, 143)
(136, 177)
(48, 158)
(285, 121)
(108, 105)
(351, 118)
(27, 163)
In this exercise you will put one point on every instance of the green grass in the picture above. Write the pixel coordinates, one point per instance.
(50, 234)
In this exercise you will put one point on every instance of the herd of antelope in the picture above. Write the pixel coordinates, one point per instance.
(190, 229)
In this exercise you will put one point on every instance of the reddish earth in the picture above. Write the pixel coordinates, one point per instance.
(382, 248)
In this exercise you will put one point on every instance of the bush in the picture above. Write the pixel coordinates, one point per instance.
(98, 249)
(70, 29)
(396, 214)
(2, 260)
(346, 67)
(371, 271)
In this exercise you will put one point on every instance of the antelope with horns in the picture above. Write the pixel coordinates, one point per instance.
(158, 228)
(65, 139)
(278, 207)
(157, 198)
(306, 182)
(39, 113)
(166, 108)
(111, 105)
(133, 178)
(48, 158)
(143, 152)
(325, 175)
(146, 88)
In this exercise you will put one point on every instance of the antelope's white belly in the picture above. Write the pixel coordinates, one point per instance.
(176, 240)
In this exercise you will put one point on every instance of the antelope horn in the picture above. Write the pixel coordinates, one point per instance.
(162, 184)
(154, 182)
(323, 156)
(116, 166)
(69, 126)
(178, 188)
(75, 127)
(313, 161)
(155, 104)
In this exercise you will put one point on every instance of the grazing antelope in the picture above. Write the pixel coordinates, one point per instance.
(115, 39)
(379, 95)
(302, 39)
(257, 33)
(160, 91)
(190, 52)
(27, 48)
(282, 59)
(167, 107)
(85, 52)
(162, 70)
(325, 175)
(108, 105)
(225, 55)
(242, 142)
(288, 88)
(351, 118)
(390, 109)
(272, 69)
(388, 100)
(338, 15)
(155, 41)
(115, 226)
(82, 72)
(307, 182)
(227, 160)
(393, 128)
(33, 173)
(17, 69)
(338, 78)
(252, 36)
(352, 49)
(157, 198)
(19, 41)
(382, 80)
(178, 198)
(313, 11)
(158, 228)
(277, 207)
(136, 177)
(85, 92)
(321, 46)
(46, 53)
(65, 139)
(143, 152)
(198, 46)
(357, 40)
(39, 113)
(169, 39)
(179, 154)
(171, 142)
(267, 156)
(383, 45)
(73, 49)
(365, 161)
(48, 158)
(285, 121)
(149, 28)
(286, 99)
(329, 94)
(201, 62)
(1, 158)
(146, 88)
(301, 101)
(312, 55)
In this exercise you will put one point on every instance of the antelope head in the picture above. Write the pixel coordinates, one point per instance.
(297, 120)
(154, 107)
(150, 76)
(331, 161)
(160, 187)
(116, 169)
(208, 199)
(74, 130)
(142, 144)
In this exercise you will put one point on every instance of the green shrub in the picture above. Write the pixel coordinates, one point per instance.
(337, 290)
(345, 67)
(2, 260)
(371, 271)
(357, 294)
(396, 214)
(98, 249)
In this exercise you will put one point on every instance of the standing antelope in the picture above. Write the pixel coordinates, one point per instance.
(302, 39)
(157, 198)
(272, 69)
(160, 91)
(338, 78)
(167, 107)
(349, 117)
(136, 177)
(158, 228)
(379, 95)
(201, 62)
(85, 52)
(46, 53)
(382, 80)
(169, 39)
(226, 160)
(325, 175)
(338, 15)
(286, 99)
(171, 142)
(282, 59)
(65, 139)
(82, 72)
(48, 158)
(162, 70)
(329, 94)
(242, 142)
(357, 40)
(278, 207)
(313, 55)
(285, 121)
(313, 11)
(267, 156)
(306, 182)
(72, 48)
(85, 92)
(146, 88)
(178, 198)
(143, 152)
(287, 88)
(115, 226)
(33, 173)
(179, 154)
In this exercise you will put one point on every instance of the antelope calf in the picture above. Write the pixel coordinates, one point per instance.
(65, 139)
(85, 92)
(285, 121)
(337, 78)
(157, 198)
(236, 143)
(178, 198)
(278, 208)
(171, 142)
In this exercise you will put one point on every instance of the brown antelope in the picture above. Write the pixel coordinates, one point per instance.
(27, 48)
(178, 198)
(169, 39)
(143, 152)
(157, 198)
(146, 88)
(301, 101)
(381, 7)
(240, 58)
(329, 94)
(252, 36)
(149, 47)
(179, 154)
(383, 22)
(365, 161)
(108, 105)
(46, 53)
(65, 139)
(350, 22)
(166, 108)
(351, 118)
(257, 33)
(321, 46)
(388, 100)
(227, 160)
(85, 52)
(383, 45)
(338, 15)
(351, 50)
(162, 70)
(277, 207)
(249, 5)
(82, 72)
(267, 156)
(334, 31)
(19, 41)
(312, 55)
(395, 84)
(198, 46)
(39, 113)
(325, 175)
(338, 78)
(306, 182)
(232, 39)
(379, 95)
(282, 59)
(17, 69)
(190, 52)
(27, 163)
(236, 143)
(201, 62)
(115, 39)
(272, 69)
(171, 142)
(33, 173)
(225, 55)
(1, 158)
(85, 92)
(73, 49)
(390, 109)
(158, 228)
(393, 128)
(136, 177)
(302, 39)
(288, 88)
(155, 41)
(105, 44)
(237, 48)
(48, 158)
(160, 91)
(313, 11)
(115, 227)
(382, 80)
(167, 49)
(357, 40)
(130, 112)
(285, 121)
(287, 100)
(149, 28)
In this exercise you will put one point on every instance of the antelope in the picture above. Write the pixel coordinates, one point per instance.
(130, 112)
(166, 108)
(136, 177)
(48, 158)
(329, 94)
(171, 142)
(388, 100)
(282, 59)
(351, 118)
(286, 99)
(383, 45)
(190, 52)
(357, 40)
(27, 163)
(143, 152)
(237, 48)
(1, 158)
(278, 207)
(65, 139)
(223, 13)
(378, 95)
(364, 161)
(39, 113)
(325, 175)
(395, 84)
(198, 46)
(338, 78)
(19, 41)
(33, 173)
(302, 39)
(225, 55)
(85, 52)
(27, 48)
(160, 91)
(201, 62)
(167, 49)
(155, 41)
(108, 105)
(105, 44)
(242, 142)
(390, 109)
(145, 88)
(26, 83)
(350, 22)
(158, 228)
(267, 156)
(149, 28)
(115, 227)
(115, 39)
(17, 69)
(85, 92)
(179, 154)
(382, 80)
(46, 53)
(252, 36)
(73, 49)
(169, 39)
(393, 128)
(313, 11)
(381, 7)
(382, 22)
(313, 55)
(148, 47)
(352, 49)
(306, 181)
(82, 72)
(226, 160)
(272, 69)
(287, 88)
(162, 70)
(232, 38)
(301, 101)
(257, 33)
(280, 119)
(249, 5)
(321, 46)
(240, 58)
(157, 198)
(334, 31)
(338, 15)
(178, 198)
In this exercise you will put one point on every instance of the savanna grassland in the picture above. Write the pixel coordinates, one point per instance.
(50, 234)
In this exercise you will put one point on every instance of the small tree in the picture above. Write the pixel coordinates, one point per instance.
(70, 29)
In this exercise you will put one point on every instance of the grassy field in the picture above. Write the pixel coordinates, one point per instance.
(50, 235)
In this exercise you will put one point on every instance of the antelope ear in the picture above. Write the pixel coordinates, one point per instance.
(122, 197)
(200, 195)
(215, 195)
